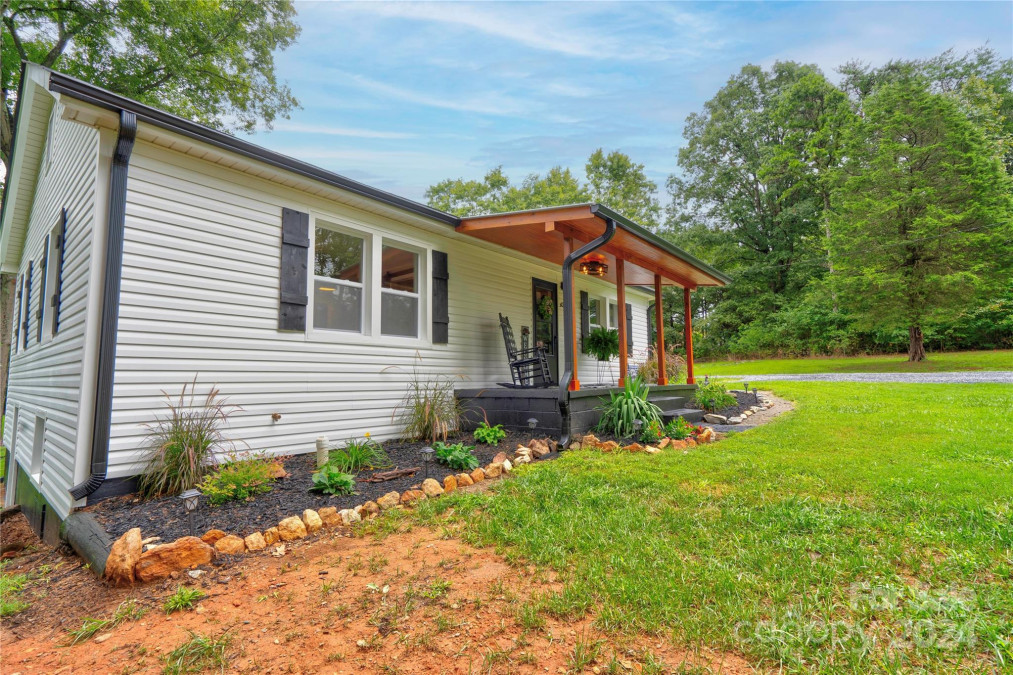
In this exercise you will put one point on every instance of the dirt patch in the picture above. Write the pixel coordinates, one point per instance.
(414, 602)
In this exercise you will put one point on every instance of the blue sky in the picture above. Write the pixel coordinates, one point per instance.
(402, 95)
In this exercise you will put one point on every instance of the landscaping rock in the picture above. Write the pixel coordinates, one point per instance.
(271, 536)
(553, 445)
(539, 448)
(388, 501)
(690, 443)
(664, 442)
(370, 509)
(123, 558)
(329, 515)
(575, 445)
(478, 475)
(432, 487)
(349, 516)
(277, 470)
(507, 466)
(230, 544)
(590, 440)
(735, 420)
(500, 457)
(711, 418)
(291, 528)
(706, 436)
(184, 553)
(464, 480)
(522, 459)
(312, 521)
(211, 536)
(633, 447)
(608, 446)
(747, 413)
(450, 483)
(255, 542)
(493, 470)
(411, 496)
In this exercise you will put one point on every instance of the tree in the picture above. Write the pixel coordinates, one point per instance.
(619, 183)
(211, 61)
(495, 194)
(923, 216)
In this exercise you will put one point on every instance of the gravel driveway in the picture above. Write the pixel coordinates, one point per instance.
(968, 377)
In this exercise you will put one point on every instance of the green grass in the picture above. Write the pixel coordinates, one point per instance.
(11, 587)
(127, 610)
(892, 363)
(198, 654)
(183, 599)
(869, 530)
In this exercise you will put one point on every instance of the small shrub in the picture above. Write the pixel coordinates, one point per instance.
(430, 409)
(182, 599)
(652, 432)
(458, 456)
(238, 480)
(679, 429)
(713, 396)
(198, 654)
(359, 454)
(182, 445)
(632, 404)
(602, 343)
(490, 435)
(333, 481)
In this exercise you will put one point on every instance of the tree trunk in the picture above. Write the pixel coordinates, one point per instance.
(7, 282)
(916, 344)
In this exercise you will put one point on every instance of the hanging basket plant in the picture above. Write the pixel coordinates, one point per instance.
(602, 343)
(546, 308)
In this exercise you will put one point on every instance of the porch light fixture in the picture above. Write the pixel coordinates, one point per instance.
(745, 387)
(706, 380)
(593, 267)
(427, 456)
(190, 499)
(637, 424)
(532, 423)
(756, 396)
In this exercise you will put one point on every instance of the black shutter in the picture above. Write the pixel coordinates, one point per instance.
(629, 326)
(650, 331)
(585, 320)
(21, 308)
(441, 298)
(295, 245)
(44, 272)
(61, 245)
(28, 306)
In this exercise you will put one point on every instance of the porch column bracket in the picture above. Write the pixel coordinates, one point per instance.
(688, 309)
(659, 343)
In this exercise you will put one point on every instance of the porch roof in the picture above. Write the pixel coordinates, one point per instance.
(543, 233)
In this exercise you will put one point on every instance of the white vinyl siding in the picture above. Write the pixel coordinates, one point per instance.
(200, 296)
(46, 378)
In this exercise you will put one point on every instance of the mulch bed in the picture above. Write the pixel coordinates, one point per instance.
(745, 401)
(289, 496)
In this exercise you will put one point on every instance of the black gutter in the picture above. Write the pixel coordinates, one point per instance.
(58, 82)
(569, 339)
(102, 420)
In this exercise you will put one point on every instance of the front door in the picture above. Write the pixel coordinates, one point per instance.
(545, 320)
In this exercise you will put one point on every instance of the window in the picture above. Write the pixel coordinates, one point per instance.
(613, 316)
(54, 263)
(399, 292)
(594, 312)
(338, 285)
(37, 444)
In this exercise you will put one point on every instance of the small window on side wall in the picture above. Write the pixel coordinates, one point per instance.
(613, 315)
(399, 292)
(338, 281)
(594, 312)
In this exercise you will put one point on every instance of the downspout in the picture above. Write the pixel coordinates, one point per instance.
(102, 420)
(569, 339)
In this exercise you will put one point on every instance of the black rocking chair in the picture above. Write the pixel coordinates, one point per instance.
(528, 367)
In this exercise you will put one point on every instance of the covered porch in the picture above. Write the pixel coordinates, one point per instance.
(592, 240)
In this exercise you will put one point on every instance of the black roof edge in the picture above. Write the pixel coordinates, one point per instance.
(79, 89)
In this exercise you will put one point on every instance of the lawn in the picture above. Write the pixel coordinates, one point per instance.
(868, 530)
(891, 363)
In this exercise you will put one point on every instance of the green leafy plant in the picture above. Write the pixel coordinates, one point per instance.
(333, 481)
(490, 435)
(652, 432)
(358, 454)
(183, 598)
(182, 445)
(602, 343)
(546, 308)
(679, 429)
(429, 409)
(237, 480)
(458, 456)
(198, 654)
(11, 586)
(713, 396)
(625, 407)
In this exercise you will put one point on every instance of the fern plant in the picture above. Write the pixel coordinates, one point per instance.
(602, 343)
(625, 407)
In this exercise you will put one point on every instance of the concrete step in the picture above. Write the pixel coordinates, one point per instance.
(688, 414)
(667, 403)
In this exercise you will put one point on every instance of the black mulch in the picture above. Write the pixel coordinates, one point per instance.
(289, 496)
(745, 401)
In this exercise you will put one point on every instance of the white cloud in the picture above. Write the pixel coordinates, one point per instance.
(327, 130)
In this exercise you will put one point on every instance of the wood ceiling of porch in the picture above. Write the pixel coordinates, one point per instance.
(543, 233)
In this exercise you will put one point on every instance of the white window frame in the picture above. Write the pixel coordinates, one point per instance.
(613, 317)
(374, 238)
(365, 269)
(38, 447)
(420, 254)
(52, 269)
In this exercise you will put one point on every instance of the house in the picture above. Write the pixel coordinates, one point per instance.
(149, 250)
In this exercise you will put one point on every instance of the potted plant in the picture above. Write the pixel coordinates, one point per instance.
(602, 343)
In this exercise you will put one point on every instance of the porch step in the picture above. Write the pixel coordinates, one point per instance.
(688, 414)
(667, 403)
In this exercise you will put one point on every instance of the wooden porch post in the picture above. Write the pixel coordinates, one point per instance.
(659, 342)
(570, 297)
(688, 308)
(621, 310)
